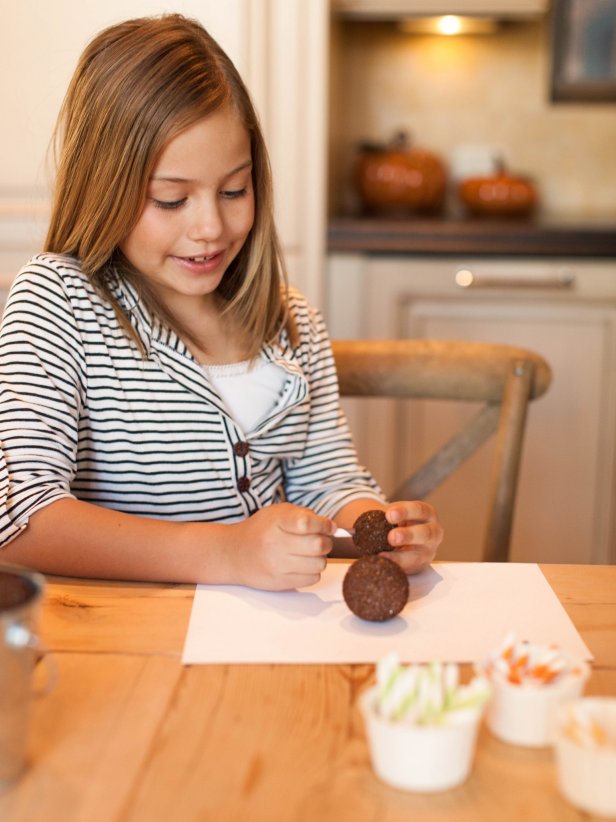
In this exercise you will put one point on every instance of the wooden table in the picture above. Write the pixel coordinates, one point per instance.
(128, 733)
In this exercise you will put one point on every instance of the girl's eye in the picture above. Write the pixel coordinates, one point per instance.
(169, 204)
(233, 195)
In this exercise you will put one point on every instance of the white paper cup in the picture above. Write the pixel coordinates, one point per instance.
(587, 775)
(423, 758)
(525, 714)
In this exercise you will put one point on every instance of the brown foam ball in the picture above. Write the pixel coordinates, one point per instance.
(375, 588)
(370, 532)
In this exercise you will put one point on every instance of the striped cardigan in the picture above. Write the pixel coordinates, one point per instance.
(84, 415)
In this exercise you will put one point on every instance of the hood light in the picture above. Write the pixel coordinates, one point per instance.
(449, 25)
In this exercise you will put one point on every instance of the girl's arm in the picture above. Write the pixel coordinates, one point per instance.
(280, 547)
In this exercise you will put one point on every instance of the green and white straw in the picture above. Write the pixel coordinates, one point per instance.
(426, 694)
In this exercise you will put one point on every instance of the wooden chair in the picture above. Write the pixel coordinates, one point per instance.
(503, 377)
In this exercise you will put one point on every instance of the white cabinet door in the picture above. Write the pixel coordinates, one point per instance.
(563, 464)
(564, 509)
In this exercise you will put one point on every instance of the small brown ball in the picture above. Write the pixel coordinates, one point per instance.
(375, 588)
(370, 532)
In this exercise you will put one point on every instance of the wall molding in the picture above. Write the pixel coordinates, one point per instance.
(23, 224)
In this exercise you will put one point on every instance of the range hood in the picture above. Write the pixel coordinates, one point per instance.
(400, 9)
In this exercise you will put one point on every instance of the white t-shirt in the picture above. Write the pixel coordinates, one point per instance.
(250, 390)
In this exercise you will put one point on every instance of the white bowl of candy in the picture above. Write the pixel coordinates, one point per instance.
(422, 724)
(585, 746)
(528, 682)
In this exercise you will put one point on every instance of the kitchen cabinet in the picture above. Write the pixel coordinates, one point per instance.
(394, 9)
(565, 309)
(294, 54)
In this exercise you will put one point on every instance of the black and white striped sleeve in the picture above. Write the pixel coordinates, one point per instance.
(328, 475)
(41, 389)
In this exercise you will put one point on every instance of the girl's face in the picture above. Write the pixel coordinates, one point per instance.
(198, 212)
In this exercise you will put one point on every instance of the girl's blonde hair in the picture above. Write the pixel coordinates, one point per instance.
(137, 85)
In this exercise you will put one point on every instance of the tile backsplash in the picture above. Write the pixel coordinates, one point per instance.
(482, 90)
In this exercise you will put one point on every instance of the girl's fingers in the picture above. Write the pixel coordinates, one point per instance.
(425, 533)
(414, 510)
(293, 581)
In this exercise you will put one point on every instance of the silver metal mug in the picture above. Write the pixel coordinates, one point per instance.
(20, 594)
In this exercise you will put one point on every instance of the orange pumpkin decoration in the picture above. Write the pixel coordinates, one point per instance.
(499, 195)
(399, 177)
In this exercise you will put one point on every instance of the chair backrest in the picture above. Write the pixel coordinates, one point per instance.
(503, 377)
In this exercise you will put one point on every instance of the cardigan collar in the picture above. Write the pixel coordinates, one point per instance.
(149, 329)
(154, 333)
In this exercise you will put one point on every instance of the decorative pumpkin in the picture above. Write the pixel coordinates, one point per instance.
(399, 178)
(499, 195)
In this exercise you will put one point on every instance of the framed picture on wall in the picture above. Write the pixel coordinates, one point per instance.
(583, 51)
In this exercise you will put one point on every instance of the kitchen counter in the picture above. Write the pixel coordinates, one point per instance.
(424, 235)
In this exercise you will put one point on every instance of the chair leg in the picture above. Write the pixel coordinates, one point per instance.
(506, 464)
(451, 455)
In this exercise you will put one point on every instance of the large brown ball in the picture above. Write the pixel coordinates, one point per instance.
(375, 588)
(370, 532)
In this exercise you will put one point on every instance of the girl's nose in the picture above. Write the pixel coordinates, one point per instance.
(206, 223)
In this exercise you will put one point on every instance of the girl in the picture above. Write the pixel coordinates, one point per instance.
(169, 406)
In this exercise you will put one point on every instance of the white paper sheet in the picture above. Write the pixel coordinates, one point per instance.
(456, 612)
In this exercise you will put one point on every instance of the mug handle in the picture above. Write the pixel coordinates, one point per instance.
(20, 637)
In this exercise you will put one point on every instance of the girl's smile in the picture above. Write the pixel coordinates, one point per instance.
(200, 265)
(198, 212)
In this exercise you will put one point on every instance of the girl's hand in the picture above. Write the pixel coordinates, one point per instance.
(417, 535)
(281, 547)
